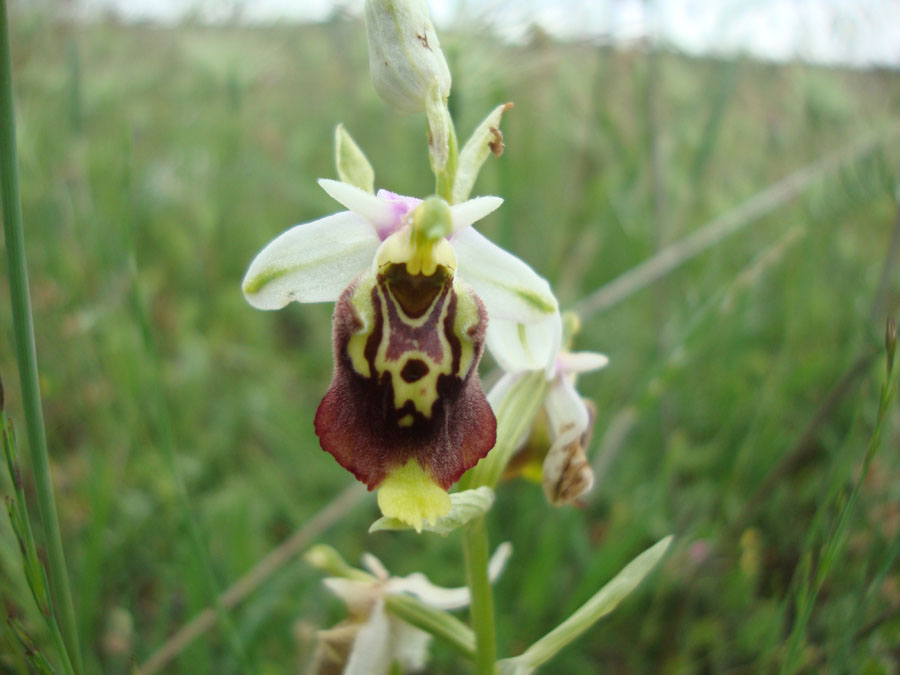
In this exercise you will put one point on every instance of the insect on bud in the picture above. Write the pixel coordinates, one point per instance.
(405, 57)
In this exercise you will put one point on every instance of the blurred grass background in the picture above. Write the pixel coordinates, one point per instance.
(155, 162)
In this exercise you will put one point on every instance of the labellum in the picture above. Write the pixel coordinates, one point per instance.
(405, 410)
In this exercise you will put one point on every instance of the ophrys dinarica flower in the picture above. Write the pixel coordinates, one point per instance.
(415, 286)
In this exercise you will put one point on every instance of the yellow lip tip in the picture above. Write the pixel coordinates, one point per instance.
(410, 495)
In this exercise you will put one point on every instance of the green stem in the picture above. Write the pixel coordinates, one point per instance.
(475, 548)
(26, 357)
(517, 410)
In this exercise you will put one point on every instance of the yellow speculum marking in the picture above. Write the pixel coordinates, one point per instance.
(423, 392)
(421, 248)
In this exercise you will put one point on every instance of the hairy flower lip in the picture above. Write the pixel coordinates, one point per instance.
(370, 419)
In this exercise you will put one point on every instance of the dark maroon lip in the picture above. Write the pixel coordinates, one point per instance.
(358, 421)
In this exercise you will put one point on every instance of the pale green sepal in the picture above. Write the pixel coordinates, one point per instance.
(507, 286)
(603, 602)
(352, 165)
(439, 128)
(484, 141)
(473, 210)
(464, 506)
(525, 346)
(313, 262)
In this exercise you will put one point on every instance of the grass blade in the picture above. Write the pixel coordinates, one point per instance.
(26, 355)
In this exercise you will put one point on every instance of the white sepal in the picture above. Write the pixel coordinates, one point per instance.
(379, 213)
(312, 262)
(371, 651)
(420, 586)
(525, 346)
(509, 288)
(473, 210)
(567, 414)
(581, 362)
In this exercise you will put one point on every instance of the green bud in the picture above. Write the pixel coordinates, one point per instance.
(405, 56)
(352, 165)
(330, 561)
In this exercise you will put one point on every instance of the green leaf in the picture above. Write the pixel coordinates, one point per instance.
(464, 506)
(484, 141)
(601, 604)
(352, 165)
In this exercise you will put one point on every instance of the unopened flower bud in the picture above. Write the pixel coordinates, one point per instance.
(405, 57)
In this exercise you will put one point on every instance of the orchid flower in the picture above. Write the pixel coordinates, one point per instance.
(565, 474)
(373, 640)
(414, 285)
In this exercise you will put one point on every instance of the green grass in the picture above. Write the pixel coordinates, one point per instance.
(167, 158)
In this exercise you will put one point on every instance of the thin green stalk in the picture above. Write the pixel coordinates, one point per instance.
(26, 357)
(475, 548)
(515, 412)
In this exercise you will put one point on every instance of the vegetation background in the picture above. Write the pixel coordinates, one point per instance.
(740, 399)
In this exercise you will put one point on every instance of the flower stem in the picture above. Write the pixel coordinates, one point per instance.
(26, 356)
(475, 548)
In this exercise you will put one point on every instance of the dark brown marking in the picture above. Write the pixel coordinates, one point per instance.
(496, 145)
(374, 339)
(358, 424)
(414, 370)
(402, 337)
(413, 292)
(452, 337)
